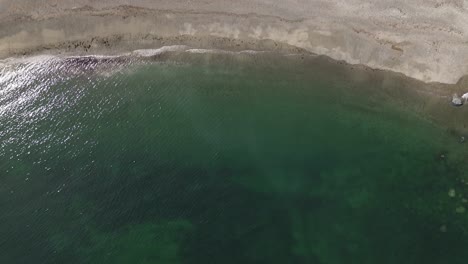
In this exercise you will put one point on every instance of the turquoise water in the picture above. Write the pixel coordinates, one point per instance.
(226, 159)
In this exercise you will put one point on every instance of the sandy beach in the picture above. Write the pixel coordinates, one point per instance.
(425, 40)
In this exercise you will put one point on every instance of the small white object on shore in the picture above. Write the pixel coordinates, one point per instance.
(456, 100)
(465, 97)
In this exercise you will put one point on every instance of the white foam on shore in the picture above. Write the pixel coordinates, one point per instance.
(144, 53)
(20, 71)
(97, 56)
(154, 52)
(139, 53)
(252, 51)
(219, 51)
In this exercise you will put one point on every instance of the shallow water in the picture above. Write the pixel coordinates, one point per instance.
(228, 158)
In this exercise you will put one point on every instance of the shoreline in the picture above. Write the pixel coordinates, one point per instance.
(430, 101)
(114, 30)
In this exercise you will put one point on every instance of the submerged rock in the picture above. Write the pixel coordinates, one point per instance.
(443, 229)
(460, 210)
(457, 100)
(451, 193)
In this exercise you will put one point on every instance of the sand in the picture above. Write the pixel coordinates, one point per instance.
(422, 39)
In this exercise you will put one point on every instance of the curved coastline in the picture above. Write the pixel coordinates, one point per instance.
(430, 101)
(114, 29)
(114, 33)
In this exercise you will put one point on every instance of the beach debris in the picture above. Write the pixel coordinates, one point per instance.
(456, 100)
(443, 228)
(460, 209)
(452, 193)
(465, 97)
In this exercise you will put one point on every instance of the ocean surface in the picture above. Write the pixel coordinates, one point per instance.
(195, 157)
